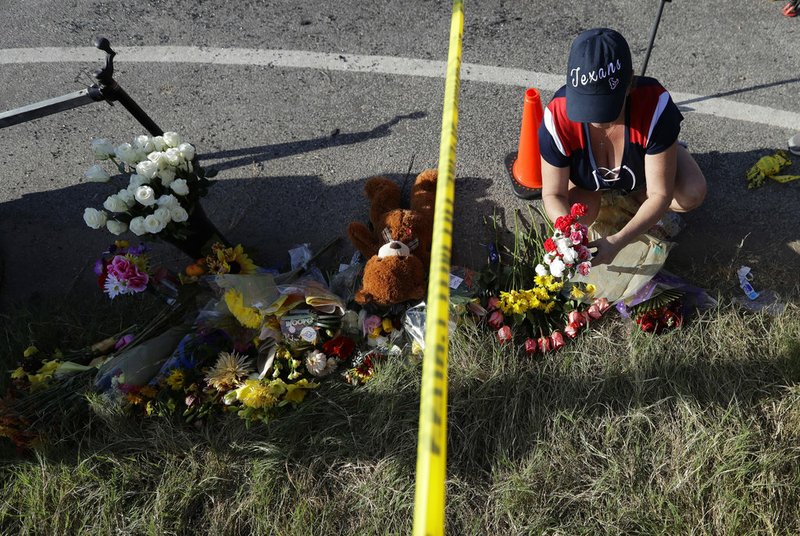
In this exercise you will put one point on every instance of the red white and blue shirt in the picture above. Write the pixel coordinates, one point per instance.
(652, 122)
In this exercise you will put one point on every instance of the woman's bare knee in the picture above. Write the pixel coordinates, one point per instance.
(690, 184)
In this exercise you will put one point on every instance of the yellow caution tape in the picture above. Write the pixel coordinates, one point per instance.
(432, 440)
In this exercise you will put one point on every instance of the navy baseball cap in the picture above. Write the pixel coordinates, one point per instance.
(599, 72)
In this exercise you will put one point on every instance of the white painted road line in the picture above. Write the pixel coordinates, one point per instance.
(297, 59)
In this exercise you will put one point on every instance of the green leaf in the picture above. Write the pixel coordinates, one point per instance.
(665, 297)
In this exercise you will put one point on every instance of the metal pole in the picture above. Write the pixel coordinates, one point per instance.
(108, 90)
(112, 91)
(653, 31)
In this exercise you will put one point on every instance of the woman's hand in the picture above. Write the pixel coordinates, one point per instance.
(606, 249)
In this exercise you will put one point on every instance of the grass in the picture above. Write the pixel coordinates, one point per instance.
(693, 432)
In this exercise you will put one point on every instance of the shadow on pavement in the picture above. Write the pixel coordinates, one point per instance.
(49, 251)
(736, 226)
(249, 155)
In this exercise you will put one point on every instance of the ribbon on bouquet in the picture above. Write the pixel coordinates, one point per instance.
(429, 498)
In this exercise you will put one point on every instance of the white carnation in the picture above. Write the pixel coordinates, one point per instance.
(557, 267)
(169, 201)
(95, 218)
(541, 269)
(137, 226)
(570, 256)
(187, 150)
(145, 195)
(173, 139)
(114, 204)
(116, 227)
(102, 149)
(179, 214)
(147, 169)
(96, 173)
(153, 225)
(180, 187)
(318, 364)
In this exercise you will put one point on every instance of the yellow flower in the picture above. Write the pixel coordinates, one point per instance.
(387, 326)
(249, 317)
(576, 292)
(175, 379)
(296, 392)
(140, 261)
(541, 294)
(549, 307)
(590, 289)
(229, 260)
(49, 367)
(255, 394)
(30, 350)
(134, 399)
(555, 286)
(18, 373)
(230, 369)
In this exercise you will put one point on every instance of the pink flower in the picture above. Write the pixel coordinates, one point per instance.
(504, 334)
(602, 304)
(557, 340)
(576, 237)
(544, 344)
(572, 330)
(496, 319)
(121, 267)
(594, 311)
(530, 346)
(124, 341)
(584, 267)
(583, 253)
(576, 317)
(128, 273)
(138, 281)
(493, 303)
(370, 323)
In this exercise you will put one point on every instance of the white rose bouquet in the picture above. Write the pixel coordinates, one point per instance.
(160, 198)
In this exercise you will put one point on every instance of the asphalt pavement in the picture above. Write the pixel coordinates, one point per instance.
(294, 139)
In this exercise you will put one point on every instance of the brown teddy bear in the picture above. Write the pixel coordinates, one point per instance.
(398, 250)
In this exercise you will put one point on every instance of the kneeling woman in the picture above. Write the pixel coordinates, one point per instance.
(608, 130)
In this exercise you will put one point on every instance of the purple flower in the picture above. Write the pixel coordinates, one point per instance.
(124, 341)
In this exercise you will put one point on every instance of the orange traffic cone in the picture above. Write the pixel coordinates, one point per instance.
(525, 166)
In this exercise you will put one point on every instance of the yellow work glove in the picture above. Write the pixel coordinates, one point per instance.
(768, 167)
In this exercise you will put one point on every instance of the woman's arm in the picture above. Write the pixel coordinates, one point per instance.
(660, 177)
(555, 190)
